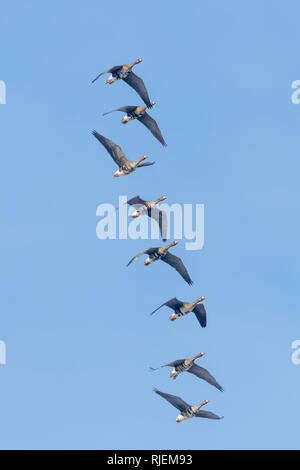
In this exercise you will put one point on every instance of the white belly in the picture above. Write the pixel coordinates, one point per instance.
(184, 310)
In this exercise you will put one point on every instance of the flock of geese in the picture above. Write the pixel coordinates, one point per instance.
(143, 207)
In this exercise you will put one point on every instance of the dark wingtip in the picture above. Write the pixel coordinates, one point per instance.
(155, 390)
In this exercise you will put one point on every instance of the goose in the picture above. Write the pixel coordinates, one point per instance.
(183, 308)
(139, 113)
(188, 365)
(124, 72)
(125, 166)
(161, 252)
(143, 207)
(187, 411)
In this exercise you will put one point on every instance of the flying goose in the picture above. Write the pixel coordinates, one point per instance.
(187, 411)
(124, 72)
(125, 166)
(149, 208)
(139, 113)
(183, 308)
(188, 365)
(161, 252)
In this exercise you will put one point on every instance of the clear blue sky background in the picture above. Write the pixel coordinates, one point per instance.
(75, 320)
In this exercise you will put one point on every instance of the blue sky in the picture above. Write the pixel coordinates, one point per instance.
(74, 319)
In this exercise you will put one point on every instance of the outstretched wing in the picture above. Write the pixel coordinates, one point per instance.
(146, 252)
(176, 263)
(136, 201)
(124, 109)
(151, 124)
(176, 363)
(205, 375)
(138, 85)
(161, 218)
(113, 149)
(110, 70)
(172, 303)
(175, 401)
(145, 164)
(207, 414)
(200, 312)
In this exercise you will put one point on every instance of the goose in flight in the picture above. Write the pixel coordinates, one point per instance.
(183, 308)
(187, 411)
(149, 208)
(161, 252)
(124, 72)
(188, 365)
(139, 113)
(125, 166)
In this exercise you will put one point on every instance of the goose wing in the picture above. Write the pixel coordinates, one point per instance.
(110, 70)
(138, 85)
(205, 375)
(161, 218)
(145, 164)
(113, 149)
(124, 109)
(180, 404)
(207, 414)
(177, 264)
(172, 303)
(151, 124)
(136, 201)
(200, 312)
(146, 252)
(176, 363)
